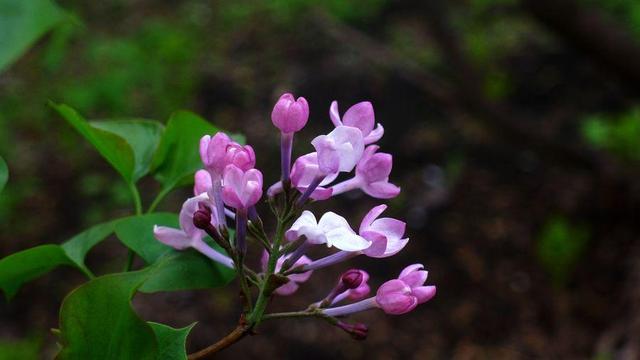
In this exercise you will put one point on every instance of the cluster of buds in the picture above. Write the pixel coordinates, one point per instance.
(230, 186)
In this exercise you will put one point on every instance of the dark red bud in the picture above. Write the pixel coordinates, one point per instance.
(352, 278)
(357, 331)
(202, 217)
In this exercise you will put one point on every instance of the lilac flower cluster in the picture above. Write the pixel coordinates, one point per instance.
(230, 186)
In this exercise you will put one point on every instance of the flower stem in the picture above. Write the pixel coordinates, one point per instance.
(286, 145)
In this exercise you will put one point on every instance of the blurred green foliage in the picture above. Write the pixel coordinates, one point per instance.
(560, 245)
(22, 23)
(24, 349)
(617, 133)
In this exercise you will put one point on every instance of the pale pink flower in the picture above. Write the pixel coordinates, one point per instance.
(361, 116)
(340, 150)
(385, 234)
(372, 176)
(189, 236)
(332, 230)
(219, 151)
(202, 182)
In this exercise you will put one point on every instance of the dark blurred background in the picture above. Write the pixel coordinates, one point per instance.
(514, 126)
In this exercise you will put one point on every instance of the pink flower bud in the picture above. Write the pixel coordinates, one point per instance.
(290, 115)
(241, 189)
(399, 296)
(219, 151)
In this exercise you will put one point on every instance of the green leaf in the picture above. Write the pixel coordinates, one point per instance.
(186, 270)
(142, 135)
(24, 266)
(171, 342)
(4, 173)
(136, 233)
(127, 144)
(97, 321)
(178, 157)
(173, 270)
(78, 246)
(112, 147)
(19, 268)
(22, 23)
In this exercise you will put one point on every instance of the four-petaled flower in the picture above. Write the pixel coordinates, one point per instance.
(332, 229)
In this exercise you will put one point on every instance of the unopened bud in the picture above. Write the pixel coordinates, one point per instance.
(357, 331)
(202, 217)
(352, 278)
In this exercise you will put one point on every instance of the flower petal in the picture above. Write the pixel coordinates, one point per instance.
(409, 269)
(346, 240)
(391, 228)
(306, 219)
(371, 216)
(424, 293)
(334, 114)
(175, 238)
(374, 135)
(361, 116)
(381, 190)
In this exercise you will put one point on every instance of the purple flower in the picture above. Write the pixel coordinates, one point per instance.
(399, 296)
(290, 115)
(305, 170)
(372, 176)
(241, 188)
(189, 235)
(332, 229)
(361, 116)
(340, 150)
(385, 234)
(294, 279)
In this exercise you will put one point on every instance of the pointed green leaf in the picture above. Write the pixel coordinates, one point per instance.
(178, 157)
(4, 173)
(186, 270)
(171, 342)
(112, 147)
(136, 233)
(173, 270)
(24, 266)
(21, 267)
(97, 321)
(22, 23)
(78, 246)
(142, 135)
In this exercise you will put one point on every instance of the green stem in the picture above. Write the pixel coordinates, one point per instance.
(299, 314)
(263, 296)
(138, 207)
(164, 192)
(136, 198)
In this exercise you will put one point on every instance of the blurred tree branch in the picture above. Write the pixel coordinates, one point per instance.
(602, 39)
